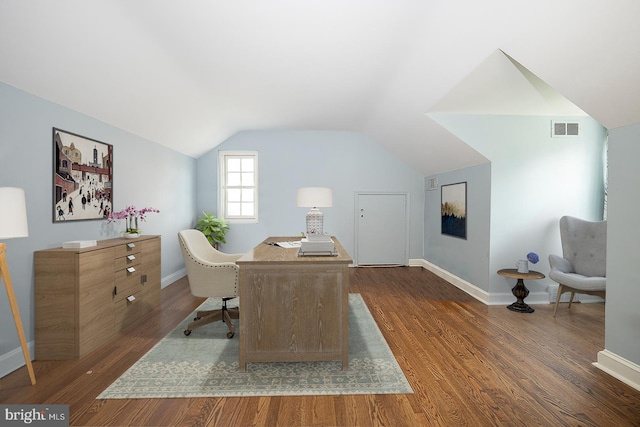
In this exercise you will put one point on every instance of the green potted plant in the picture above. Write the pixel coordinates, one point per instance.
(213, 228)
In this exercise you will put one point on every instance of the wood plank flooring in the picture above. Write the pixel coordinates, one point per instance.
(469, 365)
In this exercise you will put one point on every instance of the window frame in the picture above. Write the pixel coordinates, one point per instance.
(223, 157)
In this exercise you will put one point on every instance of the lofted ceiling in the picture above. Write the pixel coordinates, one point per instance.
(190, 74)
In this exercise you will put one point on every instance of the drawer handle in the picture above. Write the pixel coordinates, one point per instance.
(131, 245)
(131, 269)
(131, 257)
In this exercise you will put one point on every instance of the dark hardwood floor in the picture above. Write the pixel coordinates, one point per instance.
(469, 365)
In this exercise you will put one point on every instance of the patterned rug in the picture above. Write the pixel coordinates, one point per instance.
(205, 364)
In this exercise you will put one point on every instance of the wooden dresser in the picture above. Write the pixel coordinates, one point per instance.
(84, 296)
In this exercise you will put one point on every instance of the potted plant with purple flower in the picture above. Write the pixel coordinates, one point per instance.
(523, 264)
(132, 216)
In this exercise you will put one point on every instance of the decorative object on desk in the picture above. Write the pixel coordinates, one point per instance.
(13, 224)
(317, 245)
(523, 264)
(82, 177)
(314, 198)
(131, 216)
(213, 228)
(453, 210)
(205, 364)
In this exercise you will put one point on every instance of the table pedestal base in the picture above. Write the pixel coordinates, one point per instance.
(520, 291)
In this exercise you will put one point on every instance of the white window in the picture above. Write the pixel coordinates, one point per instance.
(238, 190)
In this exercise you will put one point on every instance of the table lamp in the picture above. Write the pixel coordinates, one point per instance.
(13, 223)
(314, 198)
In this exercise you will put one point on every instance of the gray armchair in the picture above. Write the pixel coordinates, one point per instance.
(582, 267)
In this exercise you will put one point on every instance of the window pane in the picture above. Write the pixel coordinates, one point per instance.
(233, 209)
(247, 209)
(233, 179)
(233, 165)
(234, 194)
(247, 195)
(247, 179)
(247, 165)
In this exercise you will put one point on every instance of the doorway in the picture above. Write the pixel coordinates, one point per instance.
(382, 228)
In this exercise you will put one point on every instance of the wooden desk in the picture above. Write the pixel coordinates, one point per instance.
(520, 291)
(292, 308)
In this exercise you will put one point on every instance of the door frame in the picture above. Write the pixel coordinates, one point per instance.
(356, 244)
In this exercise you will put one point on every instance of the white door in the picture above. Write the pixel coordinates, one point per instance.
(382, 228)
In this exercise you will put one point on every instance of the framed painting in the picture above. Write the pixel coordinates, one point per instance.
(82, 177)
(453, 209)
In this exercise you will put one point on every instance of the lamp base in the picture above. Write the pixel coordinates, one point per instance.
(315, 221)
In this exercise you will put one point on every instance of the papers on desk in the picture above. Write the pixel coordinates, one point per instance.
(286, 245)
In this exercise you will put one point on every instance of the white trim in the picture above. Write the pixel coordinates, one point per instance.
(167, 280)
(473, 290)
(222, 179)
(502, 298)
(619, 367)
(14, 359)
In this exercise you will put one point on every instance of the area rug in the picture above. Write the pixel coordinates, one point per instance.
(205, 364)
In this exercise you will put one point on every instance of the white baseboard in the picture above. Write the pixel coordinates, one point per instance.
(14, 359)
(166, 281)
(495, 298)
(619, 367)
(471, 289)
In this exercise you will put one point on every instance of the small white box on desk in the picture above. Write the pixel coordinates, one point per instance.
(78, 244)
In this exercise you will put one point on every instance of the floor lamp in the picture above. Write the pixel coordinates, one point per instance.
(13, 223)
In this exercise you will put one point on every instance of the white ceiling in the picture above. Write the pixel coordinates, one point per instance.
(189, 74)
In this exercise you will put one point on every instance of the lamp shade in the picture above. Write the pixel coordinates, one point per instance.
(13, 213)
(315, 197)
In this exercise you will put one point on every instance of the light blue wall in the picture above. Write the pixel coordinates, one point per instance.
(345, 161)
(535, 179)
(145, 174)
(447, 252)
(622, 324)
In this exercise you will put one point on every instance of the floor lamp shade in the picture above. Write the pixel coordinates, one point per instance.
(314, 198)
(13, 213)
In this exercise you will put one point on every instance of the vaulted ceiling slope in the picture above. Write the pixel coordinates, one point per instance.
(189, 74)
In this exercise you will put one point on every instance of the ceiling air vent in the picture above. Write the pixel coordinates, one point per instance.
(561, 129)
(432, 184)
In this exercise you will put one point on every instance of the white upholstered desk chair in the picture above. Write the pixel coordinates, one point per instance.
(211, 273)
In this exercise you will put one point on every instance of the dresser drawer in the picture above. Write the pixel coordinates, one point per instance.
(127, 283)
(130, 260)
(127, 249)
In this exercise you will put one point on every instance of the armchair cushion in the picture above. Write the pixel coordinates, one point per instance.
(584, 245)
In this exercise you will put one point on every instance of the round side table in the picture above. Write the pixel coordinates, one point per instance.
(520, 291)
